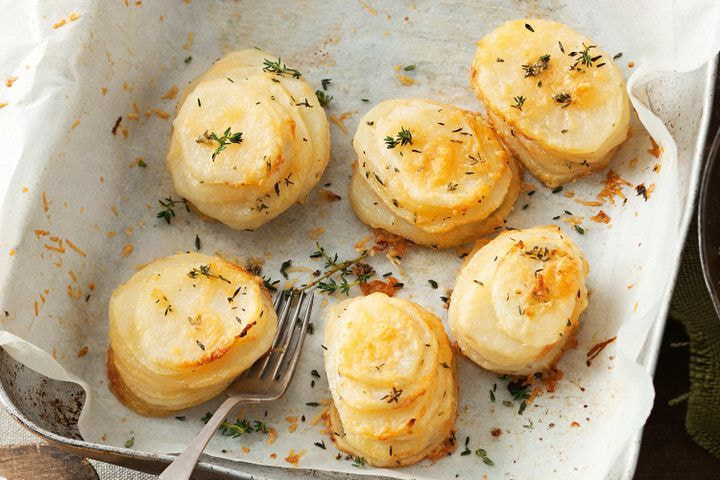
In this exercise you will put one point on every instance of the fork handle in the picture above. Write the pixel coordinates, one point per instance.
(182, 467)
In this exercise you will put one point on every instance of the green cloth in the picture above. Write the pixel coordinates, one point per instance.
(692, 306)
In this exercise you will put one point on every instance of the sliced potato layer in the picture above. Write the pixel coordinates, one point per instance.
(182, 329)
(392, 378)
(430, 172)
(518, 300)
(247, 143)
(556, 99)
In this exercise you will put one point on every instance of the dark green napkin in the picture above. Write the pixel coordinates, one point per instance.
(692, 306)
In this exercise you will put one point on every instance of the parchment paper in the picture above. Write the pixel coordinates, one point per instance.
(72, 180)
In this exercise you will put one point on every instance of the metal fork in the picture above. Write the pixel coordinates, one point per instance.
(266, 380)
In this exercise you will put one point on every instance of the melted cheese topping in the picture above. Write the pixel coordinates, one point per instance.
(451, 177)
(573, 115)
(285, 143)
(182, 329)
(391, 373)
(518, 299)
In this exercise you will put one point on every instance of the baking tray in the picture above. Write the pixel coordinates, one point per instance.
(50, 408)
(709, 222)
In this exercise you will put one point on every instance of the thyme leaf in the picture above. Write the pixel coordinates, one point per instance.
(223, 141)
(280, 68)
(323, 98)
(403, 137)
(519, 102)
(168, 211)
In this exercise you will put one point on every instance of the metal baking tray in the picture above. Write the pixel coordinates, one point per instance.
(50, 409)
(709, 222)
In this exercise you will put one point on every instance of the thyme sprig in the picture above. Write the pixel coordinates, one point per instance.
(362, 272)
(280, 68)
(205, 270)
(239, 428)
(534, 69)
(223, 141)
(403, 137)
(323, 98)
(326, 283)
(563, 98)
(168, 211)
(519, 102)
(519, 391)
(584, 58)
(537, 252)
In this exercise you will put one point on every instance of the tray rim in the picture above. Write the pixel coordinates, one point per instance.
(712, 165)
(208, 468)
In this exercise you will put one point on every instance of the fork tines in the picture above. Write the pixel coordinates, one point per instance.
(282, 357)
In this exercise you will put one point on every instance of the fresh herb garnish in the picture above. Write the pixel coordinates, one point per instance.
(325, 83)
(584, 58)
(483, 455)
(283, 268)
(534, 69)
(563, 98)
(205, 270)
(519, 102)
(129, 443)
(358, 462)
(270, 284)
(327, 284)
(579, 229)
(237, 429)
(393, 396)
(168, 211)
(279, 68)
(403, 137)
(323, 98)
(197, 242)
(433, 284)
(409, 68)
(537, 252)
(223, 141)
(188, 59)
(260, 427)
